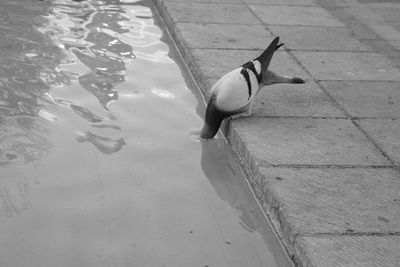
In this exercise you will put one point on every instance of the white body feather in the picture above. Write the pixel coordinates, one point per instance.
(232, 93)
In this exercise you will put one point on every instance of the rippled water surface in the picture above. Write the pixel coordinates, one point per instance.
(98, 166)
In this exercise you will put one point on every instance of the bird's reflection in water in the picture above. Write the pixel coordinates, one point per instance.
(227, 180)
(104, 144)
(85, 113)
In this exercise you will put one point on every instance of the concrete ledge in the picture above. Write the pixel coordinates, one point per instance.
(303, 141)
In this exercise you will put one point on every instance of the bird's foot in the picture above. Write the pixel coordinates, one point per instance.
(240, 115)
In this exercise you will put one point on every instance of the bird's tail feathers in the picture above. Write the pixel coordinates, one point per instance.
(266, 56)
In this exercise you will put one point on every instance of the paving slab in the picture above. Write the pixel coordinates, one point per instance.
(377, 1)
(204, 1)
(385, 31)
(382, 3)
(385, 132)
(228, 60)
(282, 2)
(366, 99)
(388, 13)
(389, 48)
(341, 3)
(396, 26)
(318, 38)
(370, 28)
(365, 15)
(362, 32)
(339, 12)
(295, 15)
(207, 70)
(333, 200)
(298, 141)
(210, 13)
(223, 36)
(300, 100)
(361, 14)
(348, 66)
(395, 43)
(355, 251)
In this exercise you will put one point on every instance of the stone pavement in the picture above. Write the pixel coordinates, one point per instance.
(323, 157)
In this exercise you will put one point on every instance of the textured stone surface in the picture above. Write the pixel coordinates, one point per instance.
(364, 14)
(318, 38)
(215, 63)
(210, 13)
(204, 1)
(386, 32)
(386, 134)
(355, 251)
(395, 44)
(348, 66)
(295, 15)
(388, 13)
(315, 201)
(390, 48)
(306, 100)
(334, 187)
(282, 2)
(267, 141)
(223, 36)
(366, 99)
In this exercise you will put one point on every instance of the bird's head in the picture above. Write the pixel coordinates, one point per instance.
(212, 120)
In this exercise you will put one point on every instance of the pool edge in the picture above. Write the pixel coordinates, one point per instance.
(227, 130)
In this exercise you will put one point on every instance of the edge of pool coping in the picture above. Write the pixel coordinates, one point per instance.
(233, 140)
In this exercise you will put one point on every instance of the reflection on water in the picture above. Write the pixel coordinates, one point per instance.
(103, 144)
(102, 36)
(28, 62)
(227, 180)
(26, 58)
(95, 150)
(225, 177)
(86, 114)
(44, 47)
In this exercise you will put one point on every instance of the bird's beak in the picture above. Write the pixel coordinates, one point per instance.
(213, 120)
(269, 77)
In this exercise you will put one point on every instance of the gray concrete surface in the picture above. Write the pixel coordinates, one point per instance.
(323, 157)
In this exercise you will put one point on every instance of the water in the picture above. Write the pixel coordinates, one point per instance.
(98, 166)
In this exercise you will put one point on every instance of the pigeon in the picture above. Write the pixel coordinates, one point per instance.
(234, 93)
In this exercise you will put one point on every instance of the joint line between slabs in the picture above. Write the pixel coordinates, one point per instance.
(215, 23)
(327, 166)
(321, 118)
(394, 233)
(371, 139)
(360, 81)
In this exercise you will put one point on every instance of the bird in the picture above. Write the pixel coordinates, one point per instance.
(234, 92)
